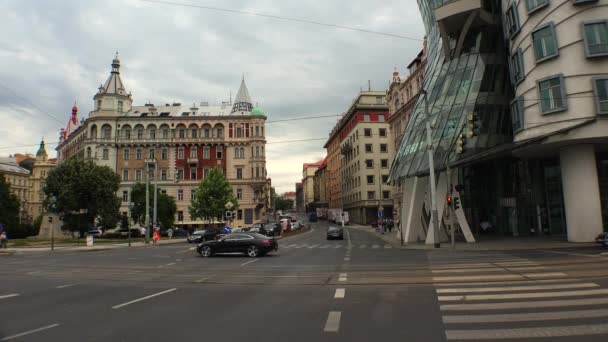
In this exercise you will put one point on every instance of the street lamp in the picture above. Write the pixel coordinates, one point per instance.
(131, 205)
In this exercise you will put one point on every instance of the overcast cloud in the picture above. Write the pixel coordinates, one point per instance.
(56, 52)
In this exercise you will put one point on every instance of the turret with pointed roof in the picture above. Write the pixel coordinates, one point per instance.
(113, 90)
(242, 103)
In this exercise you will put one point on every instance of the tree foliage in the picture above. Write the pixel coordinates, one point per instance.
(283, 203)
(166, 207)
(77, 184)
(211, 197)
(9, 205)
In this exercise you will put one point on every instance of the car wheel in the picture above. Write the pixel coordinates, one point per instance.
(206, 251)
(252, 251)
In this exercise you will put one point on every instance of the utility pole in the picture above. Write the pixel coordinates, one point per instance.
(147, 204)
(430, 149)
(155, 217)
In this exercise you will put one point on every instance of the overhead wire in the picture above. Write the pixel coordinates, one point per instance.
(278, 17)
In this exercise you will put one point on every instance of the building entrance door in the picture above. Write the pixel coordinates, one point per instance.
(554, 198)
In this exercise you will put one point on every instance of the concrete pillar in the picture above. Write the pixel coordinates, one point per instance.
(414, 190)
(581, 193)
(442, 191)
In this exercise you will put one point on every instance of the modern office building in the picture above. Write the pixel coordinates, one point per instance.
(515, 91)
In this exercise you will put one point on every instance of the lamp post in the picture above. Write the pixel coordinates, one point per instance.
(131, 205)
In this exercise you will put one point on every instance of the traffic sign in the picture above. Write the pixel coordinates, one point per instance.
(229, 205)
(380, 213)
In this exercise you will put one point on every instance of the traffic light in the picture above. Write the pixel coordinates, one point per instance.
(456, 203)
(50, 219)
(449, 200)
(472, 125)
(228, 215)
(461, 141)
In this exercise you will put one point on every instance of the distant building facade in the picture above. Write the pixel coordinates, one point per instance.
(177, 144)
(308, 185)
(18, 179)
(359, 147)
(42, 166)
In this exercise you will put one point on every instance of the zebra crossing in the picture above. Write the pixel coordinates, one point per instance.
(334, 246)
(528, 309)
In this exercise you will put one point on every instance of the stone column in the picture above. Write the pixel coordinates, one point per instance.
(581, 193)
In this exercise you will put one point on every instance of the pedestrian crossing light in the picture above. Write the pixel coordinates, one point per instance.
(461, 141)
(449, 201)
(456, 203)
(472, 125)
(228, 215)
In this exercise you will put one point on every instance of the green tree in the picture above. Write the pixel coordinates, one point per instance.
(77, 184)
(283, 203)
(211, 196)
(9, 205)
(166, 207)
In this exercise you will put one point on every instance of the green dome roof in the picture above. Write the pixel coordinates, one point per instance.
(41, 151)
(258, 111)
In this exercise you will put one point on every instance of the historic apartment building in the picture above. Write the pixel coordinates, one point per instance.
(42, 166)
(178, 144)
(18, 179)
(308, 184)
(401, 98)
(363, 140)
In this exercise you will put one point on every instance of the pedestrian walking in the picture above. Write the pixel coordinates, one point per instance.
(3, 239)
(170, 233)
(156, 236)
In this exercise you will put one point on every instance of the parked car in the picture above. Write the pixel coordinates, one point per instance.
(203, 235)
(251, 244)
(273, 229)
(334, 232)
(97, 233)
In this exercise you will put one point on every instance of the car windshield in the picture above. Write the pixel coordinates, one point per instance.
(334, 228)
(199, 232)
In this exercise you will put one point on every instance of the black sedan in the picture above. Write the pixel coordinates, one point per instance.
(251, 244)
(203, 235)
(334, 232)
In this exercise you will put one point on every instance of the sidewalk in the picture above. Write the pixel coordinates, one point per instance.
(95, 247)
(498, 244)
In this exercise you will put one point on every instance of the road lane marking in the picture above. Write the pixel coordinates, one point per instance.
(375, 246)
(64, 286)
(525, 295)
(34, 272)
(516, 288)
(143, 298)
(521, 333)
(333, 321)
(388, 246)
(9, 295)
(343, 277)
(515, 282)
(348, 239)
(249, 262)
(186, 250)
(7, 338)
(313, 246)
(340, 293)
(543, 275)
(525, 317)
(338, 246)
(363, 246)
(325, 246)
(569, 253)
(205, 278)
(489, 269)
(171, 264)
(524, 305)
(479, 277)
(347, 259)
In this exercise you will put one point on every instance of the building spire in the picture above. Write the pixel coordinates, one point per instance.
(242, 102)
(114, 83)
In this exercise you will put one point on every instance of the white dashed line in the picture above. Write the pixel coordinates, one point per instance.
(9, 295)
(64, 286)
(343, 277)
(205, 278)
(333, 321)
(7, 338)
(171, 264)
(249, 262)
(143, 298)
(346, 259)
(340, 293)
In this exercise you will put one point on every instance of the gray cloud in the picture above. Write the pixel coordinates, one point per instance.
(55, 53)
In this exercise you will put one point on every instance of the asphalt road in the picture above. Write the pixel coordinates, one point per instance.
(358, 289)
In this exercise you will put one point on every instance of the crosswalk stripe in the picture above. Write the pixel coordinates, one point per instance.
(313, 246)
(516, 288)
(525, 295)
(520, 333)
(470, 270)
(363, 246)
(514, 282)
(324, 246)
(524, 305)
(388, 246)
(525, 317)
(543, 275)
(479, 277)
(376, 246)
(338, 246)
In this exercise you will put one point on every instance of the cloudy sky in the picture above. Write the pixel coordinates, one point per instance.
(56, 52)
